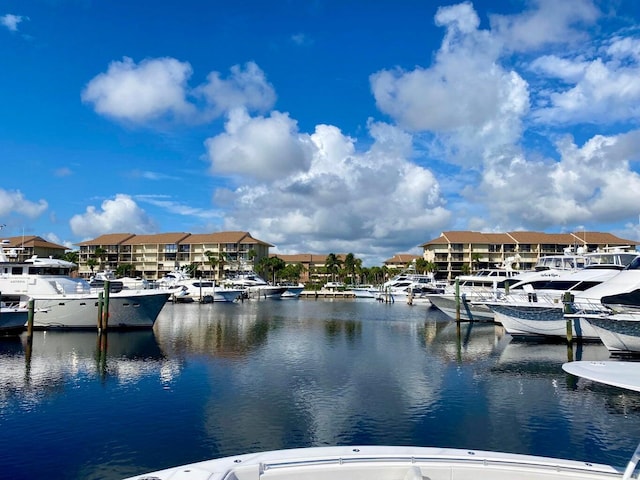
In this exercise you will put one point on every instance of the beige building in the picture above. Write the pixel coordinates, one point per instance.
(457, 250)
(217, 255)
(400, 261)
(19, 249)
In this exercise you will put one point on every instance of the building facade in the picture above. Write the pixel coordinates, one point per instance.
(19, 249)
(217, 255)
(456, 251)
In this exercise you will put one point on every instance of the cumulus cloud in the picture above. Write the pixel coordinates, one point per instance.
(262, 148)
(602, 90)
(341, 195)
(11, 21)
(120, 214)
(14, 202)
(592, 183)
(246, 88)
(158, 88)
(465, 98)
(140, 92)
(548, 22)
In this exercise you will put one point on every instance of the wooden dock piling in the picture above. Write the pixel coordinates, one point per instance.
(457, 284)
(567, 300)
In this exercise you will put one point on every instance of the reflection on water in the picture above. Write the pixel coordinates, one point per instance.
(217, 379)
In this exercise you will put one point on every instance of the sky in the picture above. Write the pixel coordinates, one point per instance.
(319, 126)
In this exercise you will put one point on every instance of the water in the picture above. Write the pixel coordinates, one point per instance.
(215, 380)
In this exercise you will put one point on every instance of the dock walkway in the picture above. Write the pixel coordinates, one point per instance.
(324, 293)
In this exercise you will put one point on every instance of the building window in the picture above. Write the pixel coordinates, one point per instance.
(170, 248)
(457, 247)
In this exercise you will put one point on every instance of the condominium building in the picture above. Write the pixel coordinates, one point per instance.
(217, 255)
(19, 249)
(456, 251)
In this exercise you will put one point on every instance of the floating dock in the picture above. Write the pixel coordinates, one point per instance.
(327, 294)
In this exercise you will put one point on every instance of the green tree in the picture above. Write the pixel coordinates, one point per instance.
(268, 267)
(475, 260)
(192, 270)
(350, 266)
(212, 261)
(100, 254)
(125, 270)
(292, 273)
(71, 256)
(332, 265)
(92, 263)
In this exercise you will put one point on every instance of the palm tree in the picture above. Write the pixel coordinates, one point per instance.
(332, 265)
(125, 270)
(100, 254)
(350, 265)
(212, 261)
(91, 263)
(71, 256)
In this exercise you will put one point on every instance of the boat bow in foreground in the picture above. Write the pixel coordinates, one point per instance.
(385, 463)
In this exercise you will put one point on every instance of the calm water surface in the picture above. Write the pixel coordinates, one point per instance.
(215, 380)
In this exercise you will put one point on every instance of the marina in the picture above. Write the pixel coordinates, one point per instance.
(211, 380)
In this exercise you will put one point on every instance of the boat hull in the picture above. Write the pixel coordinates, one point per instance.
(126, 310)
(12, 320)
(542, 321)
(447, 304)
(619, 333)
(265, 291)
(383, 463)
(293, 292)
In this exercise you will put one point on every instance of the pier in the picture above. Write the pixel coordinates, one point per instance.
(325, 293)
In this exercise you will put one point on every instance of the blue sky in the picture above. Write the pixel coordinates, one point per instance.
(319, 126)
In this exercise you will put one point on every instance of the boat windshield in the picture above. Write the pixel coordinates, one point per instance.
(611, 258)
(635, 264)
(49, 270)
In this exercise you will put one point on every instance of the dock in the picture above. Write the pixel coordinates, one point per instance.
(326, 294)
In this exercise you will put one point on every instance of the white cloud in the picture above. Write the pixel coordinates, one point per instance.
(589, 185)
(549, 22)
(158, 89)
(246, 88)
(343, 196)
(11, 21)
(120, 214)
(603, 92)
(14, 202)
(465, 98)
(263, 148)
(140, 92)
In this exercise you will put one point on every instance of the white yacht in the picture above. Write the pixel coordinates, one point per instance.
(484, 284)
(417, 463)
(293, 289)
(61, 301)
(117, 283)
(408, 283)
(254, 286)
(534, 306)
(364, 291)
(187, 289)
